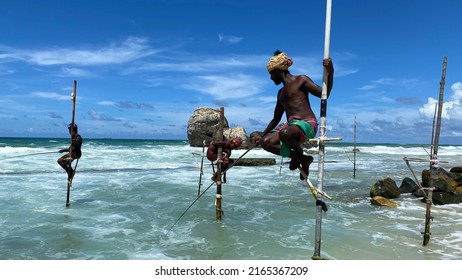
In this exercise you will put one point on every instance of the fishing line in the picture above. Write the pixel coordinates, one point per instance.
(26, 155)
(199, 196)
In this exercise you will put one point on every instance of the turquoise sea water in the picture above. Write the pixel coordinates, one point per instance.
(127, 194)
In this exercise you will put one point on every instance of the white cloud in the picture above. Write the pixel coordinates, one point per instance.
(452, 109)
(229, 39)
(457, 89)
(73, 72)
(131, 49)
(389, 82)
(227, 87)
(51, 95)
(106, 103)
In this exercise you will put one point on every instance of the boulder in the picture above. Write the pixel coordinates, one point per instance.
(386, 188)
(440, 179)
(447, 186)
(408, 186)
(457, 169)
(442, 198)
(382, 201)
(253, 135)
(202, 126)
(238, 132)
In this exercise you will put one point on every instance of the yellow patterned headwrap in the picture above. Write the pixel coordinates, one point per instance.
(280, 61)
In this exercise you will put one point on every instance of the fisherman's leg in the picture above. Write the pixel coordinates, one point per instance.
(270, 143)
(70, 171)
(64, 162)
(290, 136)
(224, 167)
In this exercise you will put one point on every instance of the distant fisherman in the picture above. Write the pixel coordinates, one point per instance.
(66, 160)
(227, 145)
(293, 100)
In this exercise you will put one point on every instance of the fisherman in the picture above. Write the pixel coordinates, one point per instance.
(227, 145)
(66, 160)
(293, 100)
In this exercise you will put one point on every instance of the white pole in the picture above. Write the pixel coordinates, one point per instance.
(322, 133)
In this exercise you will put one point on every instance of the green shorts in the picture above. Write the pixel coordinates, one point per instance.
(308, 130)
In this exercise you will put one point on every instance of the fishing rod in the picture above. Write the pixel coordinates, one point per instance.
(199, 196)
(33, 154)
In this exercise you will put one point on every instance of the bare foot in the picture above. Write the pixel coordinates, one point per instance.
(306, 162)
(294, 164)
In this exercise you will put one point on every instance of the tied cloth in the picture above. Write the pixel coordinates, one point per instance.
(280, 61)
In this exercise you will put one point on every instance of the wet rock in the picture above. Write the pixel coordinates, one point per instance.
(386, 188)
(408, 186)
(382, 201)
(255, 162)
(204, 124)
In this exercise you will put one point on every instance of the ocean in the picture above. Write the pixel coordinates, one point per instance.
(128, 196)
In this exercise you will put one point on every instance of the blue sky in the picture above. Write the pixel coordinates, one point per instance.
(143, 66)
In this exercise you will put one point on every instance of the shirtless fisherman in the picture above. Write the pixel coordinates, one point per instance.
(227, 145)
(66, 160)
(293, 100)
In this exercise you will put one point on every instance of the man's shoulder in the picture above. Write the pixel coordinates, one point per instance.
(301, 77)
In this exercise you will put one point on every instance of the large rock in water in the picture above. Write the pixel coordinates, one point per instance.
(386, 188)
(202, 125)
(238, 131)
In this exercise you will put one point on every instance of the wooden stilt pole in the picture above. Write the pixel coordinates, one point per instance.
(317, 247)
(69, 182)
(434, 157)
(219, 211)
(202, 170)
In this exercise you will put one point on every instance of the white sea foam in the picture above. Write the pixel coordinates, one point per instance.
(126, 196)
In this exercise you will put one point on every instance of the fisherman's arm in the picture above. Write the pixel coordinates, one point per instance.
(327, 63)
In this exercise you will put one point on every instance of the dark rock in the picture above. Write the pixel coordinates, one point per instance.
(457, 169)
(447, 186)
(440, 179)
(442, 198)
(408, 186)
(419, 193)
(386, 188)
(255, 162)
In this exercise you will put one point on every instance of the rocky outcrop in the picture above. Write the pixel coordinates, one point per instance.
(441, 198)
(408, 186)
(235, 132)
(441, 180)
(386, 188)
(447, 186)
(253, 135)
(204, 124)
